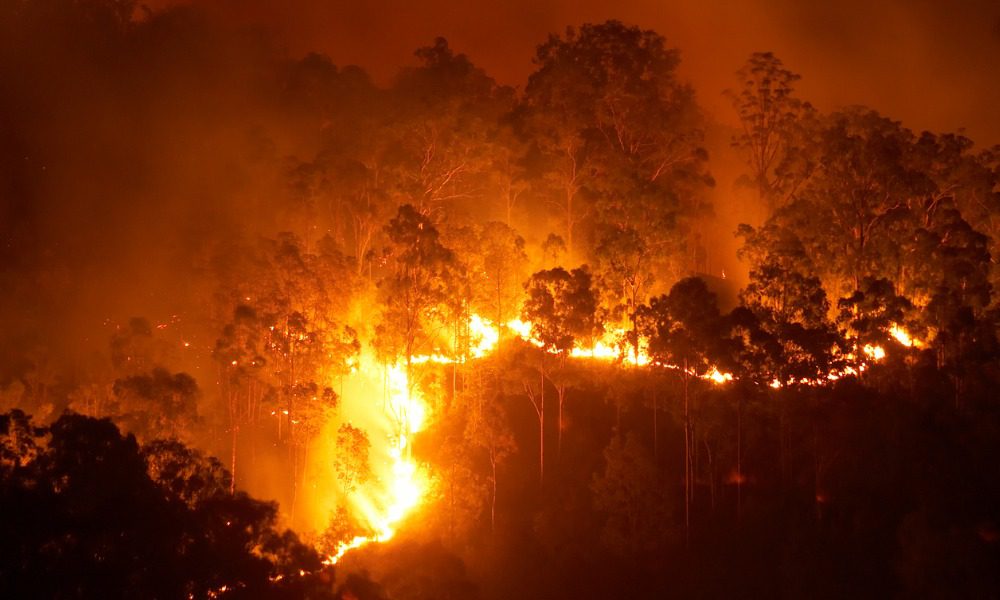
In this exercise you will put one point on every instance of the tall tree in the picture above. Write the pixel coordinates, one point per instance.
(498, 288)
(562, 309)
(774, 129)
(158, 404)
(684, 331)
(627, 491)
(625, 273)
(421, 277)
(445, 114)
(104, 517)
(611, 122)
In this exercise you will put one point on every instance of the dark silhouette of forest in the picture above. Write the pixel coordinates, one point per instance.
(203, 238)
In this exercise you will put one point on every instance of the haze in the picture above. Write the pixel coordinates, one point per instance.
(880, 54)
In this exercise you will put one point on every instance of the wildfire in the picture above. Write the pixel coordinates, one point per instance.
(400, 485)
(876, 353)
(397, 484)
(405, 488)
(485, 336)
(717, 377)
(903, 337)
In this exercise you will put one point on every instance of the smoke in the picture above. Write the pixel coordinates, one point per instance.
(120, 153)
(125, 157)
(881, 54)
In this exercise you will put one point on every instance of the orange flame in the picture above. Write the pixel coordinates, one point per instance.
(401, 485)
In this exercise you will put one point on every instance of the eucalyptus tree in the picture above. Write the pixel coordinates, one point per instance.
(562, 309)
(617, 136)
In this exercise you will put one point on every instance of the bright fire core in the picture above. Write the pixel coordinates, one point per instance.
(380, 402)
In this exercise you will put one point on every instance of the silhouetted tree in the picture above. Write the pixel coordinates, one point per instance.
(562, 309)
(775, 129)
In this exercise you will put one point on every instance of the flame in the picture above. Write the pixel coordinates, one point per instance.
(875, 352)
(406, 488)
(485, 336)
(523, 330)
(717, 377)
(380, 401)
(401, 485)
(903, 337)
(600, 350)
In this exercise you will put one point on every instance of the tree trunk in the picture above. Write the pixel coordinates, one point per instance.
(234, 427)
(541, 428)
(687, 457)
(656, 443)
(569, 225)
(409, 400)
(295, 483)
(232, 461)
(782, 458)
(816, 477)
(739, 456)
(493, 501)
(561, 390)
(711, 473)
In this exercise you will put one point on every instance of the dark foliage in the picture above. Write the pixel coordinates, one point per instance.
(96, 516)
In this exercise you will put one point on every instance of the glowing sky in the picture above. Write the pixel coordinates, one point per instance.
(928, 63)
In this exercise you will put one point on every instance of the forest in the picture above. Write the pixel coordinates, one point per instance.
(275, 328)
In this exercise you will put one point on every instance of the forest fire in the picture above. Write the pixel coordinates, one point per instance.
(626, 313)
(903, 337)
(379, 500)
(400, 487)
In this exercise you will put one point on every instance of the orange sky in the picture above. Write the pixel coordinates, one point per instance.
(931, 64)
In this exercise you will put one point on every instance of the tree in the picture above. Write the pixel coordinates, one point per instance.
(507, 172)
(134, 349)
(562, 308)
(342, 527)
(488, 429)
(627, 491)
(498, 289)
(158, 404)
(518, 377)
(855, 207)
(283, 346)
(185, 473)
(101, 516)
(445, 114)
(346, 189)
(870, 313)
(239, 354)
(610, 121)
(351, 462)
(684, 333)
(20, 442)
(421, 279)
(624, 276)
(774, 129)
(460, 488)
(790, 304)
